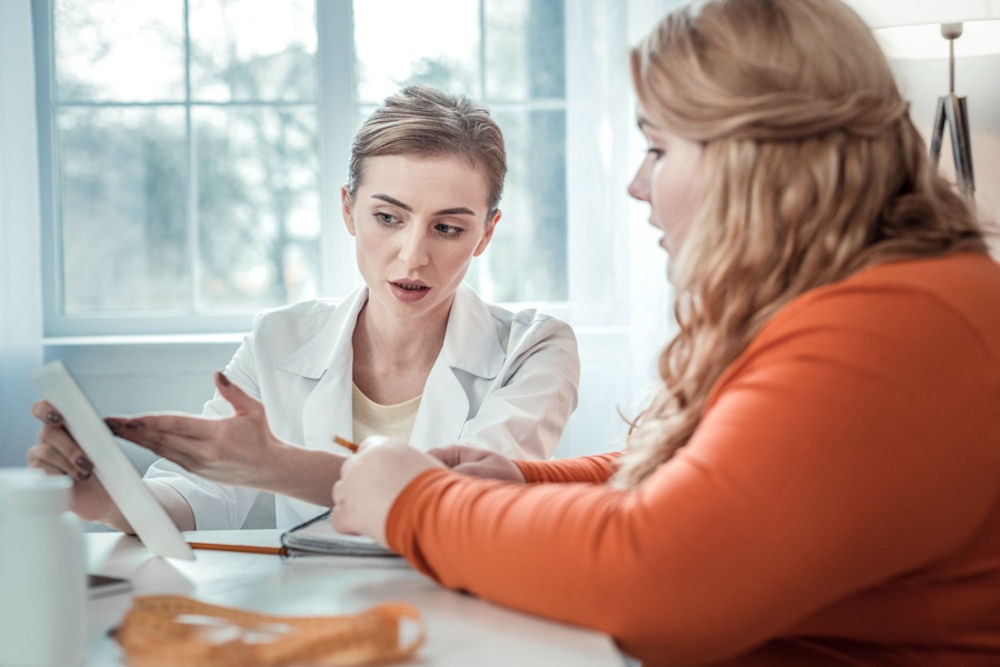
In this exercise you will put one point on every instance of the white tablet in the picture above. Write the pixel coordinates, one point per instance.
(148, 518)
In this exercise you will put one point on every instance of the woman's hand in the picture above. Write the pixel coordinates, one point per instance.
(477, 462)
(370, 482)
(57, 453)
(235, 450)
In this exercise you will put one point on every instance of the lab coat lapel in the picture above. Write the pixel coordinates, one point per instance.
(471, 348)
(327, 360)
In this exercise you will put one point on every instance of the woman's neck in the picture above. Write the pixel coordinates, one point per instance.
(393, 357)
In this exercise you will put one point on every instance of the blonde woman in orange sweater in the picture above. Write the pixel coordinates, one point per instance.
(818, 480)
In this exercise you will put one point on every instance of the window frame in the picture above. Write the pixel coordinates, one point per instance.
(337, 118)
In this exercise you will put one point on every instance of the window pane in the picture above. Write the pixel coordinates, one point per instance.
(124, 236)
(526, 260)
(119, 50)
(525, 53)
(257, 206)
(391, 51)
(253, 50)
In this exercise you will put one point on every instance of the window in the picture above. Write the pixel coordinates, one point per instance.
(161, 95)
(192, 150)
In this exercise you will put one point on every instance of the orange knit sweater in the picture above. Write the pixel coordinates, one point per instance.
(838, 504)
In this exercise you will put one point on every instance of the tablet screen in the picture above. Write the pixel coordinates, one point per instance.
(147, 517)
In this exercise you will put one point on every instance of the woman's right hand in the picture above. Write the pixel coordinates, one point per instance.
(477, 462)
(57, 453)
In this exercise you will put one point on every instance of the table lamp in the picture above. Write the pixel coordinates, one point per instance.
(923, 29)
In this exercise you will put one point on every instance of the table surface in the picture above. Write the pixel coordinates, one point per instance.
(460, 629)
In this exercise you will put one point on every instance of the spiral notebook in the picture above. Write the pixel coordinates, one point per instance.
(318, 537)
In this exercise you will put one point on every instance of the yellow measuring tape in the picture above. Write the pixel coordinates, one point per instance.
(172, 630)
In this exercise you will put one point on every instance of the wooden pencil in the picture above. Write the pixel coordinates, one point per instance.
(347, 444)
(243, 548)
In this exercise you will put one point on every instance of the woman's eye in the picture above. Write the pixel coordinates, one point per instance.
(448, 230)
(655, 153)
(385, 218)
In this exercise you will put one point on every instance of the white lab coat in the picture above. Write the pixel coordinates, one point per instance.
(503, 381)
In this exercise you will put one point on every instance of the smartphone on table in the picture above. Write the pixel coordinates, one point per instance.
(101, 585)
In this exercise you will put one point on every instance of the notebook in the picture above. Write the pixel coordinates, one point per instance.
(318, 537)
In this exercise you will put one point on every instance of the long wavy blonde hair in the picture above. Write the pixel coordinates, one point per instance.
(813, 170)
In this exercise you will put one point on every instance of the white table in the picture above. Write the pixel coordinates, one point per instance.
(461, 629)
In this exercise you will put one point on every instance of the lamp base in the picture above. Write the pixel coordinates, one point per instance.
(952, 111)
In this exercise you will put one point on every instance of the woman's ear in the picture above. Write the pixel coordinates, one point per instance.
(491, 224)
(347, 209)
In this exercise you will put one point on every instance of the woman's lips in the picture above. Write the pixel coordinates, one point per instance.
(408, 291)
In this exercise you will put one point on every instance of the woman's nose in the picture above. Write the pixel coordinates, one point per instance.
(639, 187)
(413, 249)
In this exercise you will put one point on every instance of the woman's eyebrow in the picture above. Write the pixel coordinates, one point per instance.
(391, 200)
(457, 210)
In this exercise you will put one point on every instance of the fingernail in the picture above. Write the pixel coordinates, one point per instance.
(84, 464)
(82, 474)
(134, 426)
(53, 417)
(223, 379)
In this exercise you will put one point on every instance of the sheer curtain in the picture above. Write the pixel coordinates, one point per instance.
(619, 302)
(20, 256)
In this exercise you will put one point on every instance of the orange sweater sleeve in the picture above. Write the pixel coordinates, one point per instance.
(596, 469)
(855, 440)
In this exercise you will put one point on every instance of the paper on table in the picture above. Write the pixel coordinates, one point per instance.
(317, 537)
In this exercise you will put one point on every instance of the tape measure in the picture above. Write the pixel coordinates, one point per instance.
(174, 630)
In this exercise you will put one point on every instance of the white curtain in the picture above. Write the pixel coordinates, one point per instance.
(20, 256)
(619, 301)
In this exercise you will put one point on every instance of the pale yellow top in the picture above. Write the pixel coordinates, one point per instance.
(371, 418)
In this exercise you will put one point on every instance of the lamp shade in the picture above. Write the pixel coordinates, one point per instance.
(912, 28)
(893, 13)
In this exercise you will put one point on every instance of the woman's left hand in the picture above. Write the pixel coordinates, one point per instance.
(371, 480)
(234, 450)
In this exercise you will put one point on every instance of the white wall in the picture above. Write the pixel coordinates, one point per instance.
(976, 77)
(20, 230)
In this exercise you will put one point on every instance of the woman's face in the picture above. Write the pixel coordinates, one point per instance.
(669, 180)
(417, 222)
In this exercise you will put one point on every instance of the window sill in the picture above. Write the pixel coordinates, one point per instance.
(143, 339)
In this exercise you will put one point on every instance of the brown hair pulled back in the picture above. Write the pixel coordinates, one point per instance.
(425, 122)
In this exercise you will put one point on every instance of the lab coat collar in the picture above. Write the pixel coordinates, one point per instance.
(471, 343)
(471, 349)
(331, 348)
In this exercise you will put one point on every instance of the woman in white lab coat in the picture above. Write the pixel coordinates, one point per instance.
(414, 353)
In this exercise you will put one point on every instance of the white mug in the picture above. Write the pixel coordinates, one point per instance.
(42, 572)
